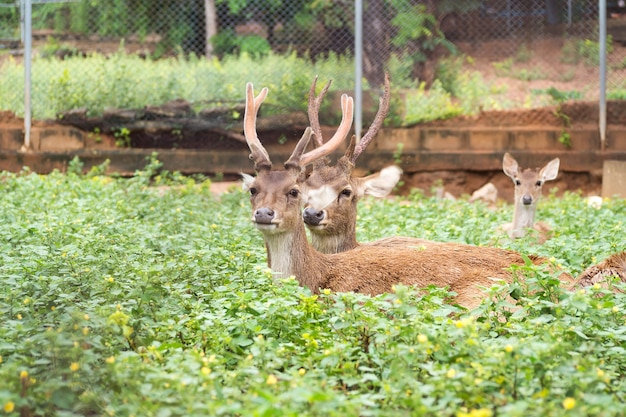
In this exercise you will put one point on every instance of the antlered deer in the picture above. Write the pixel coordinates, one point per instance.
(528, 185)
(276, 200)
(332, 192)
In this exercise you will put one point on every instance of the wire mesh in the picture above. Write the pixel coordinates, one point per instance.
(525, 53)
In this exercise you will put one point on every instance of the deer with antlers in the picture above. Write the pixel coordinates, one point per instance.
(276, 200)
(528, 185)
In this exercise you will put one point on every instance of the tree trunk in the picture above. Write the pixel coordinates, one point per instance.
(376, 42)
(210, 22)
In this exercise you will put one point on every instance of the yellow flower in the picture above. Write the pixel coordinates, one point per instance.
(26, 300)
(600, 373)
(9, 407)
(569, 403)
(302, 371)
(326, 291)
(85, 330)
(422, 338)
(271, 380)
(451, 373)
(110, 359)
(508, 348)
(205, 370)
(23, 374)
(74, 366)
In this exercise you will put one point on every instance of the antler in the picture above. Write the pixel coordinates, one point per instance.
(315, 103)
(258, 154)
(383, 108)
(347, 112)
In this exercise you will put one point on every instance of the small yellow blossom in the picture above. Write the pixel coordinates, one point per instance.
(214, 226)
(19, 317)
(110, 359)
(271, 380)
(422, 338)
(398, 301)
(302, 371)
(600, 373)
(23, 374)
(569, 403)
(26, 301)
(85, 331)
(451, 373)
(9, 406)
(205, 370)
(74, 366)
(326, 291)
(459, 324)
(53, 308)
(86, 316)
(508, 348)
(615, 309)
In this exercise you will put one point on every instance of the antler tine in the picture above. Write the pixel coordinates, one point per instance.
(347, 112)
(258, 154)
(383, 108)
(314, 110)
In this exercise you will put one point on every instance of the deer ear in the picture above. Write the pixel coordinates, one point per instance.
(380, 184)
(247, 181)
(551, 170)
(510, 166)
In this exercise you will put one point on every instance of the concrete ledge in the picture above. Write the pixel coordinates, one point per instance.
(127, 161)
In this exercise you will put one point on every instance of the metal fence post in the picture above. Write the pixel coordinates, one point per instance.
(358, 67)
(602, 104)
(27, 39)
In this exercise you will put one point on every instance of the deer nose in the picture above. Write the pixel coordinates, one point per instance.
(527, 200)
(264, 215)
(312, 217)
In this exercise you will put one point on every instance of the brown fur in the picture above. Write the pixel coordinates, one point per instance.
(371, 269)
(613, 266)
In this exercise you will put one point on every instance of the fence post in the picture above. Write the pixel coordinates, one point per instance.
(27, 26)
(602, 104)
(358, 68)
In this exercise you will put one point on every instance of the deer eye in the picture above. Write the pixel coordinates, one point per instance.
(253, 191)
(346, 193)
(293, 192)
(538, 183)
(518, 182)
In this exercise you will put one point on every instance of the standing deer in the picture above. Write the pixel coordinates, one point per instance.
(528, 185)
(276, 200)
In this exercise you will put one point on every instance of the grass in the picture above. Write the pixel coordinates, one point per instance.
(150, 296)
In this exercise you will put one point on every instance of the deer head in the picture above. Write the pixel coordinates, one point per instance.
(528, 185)
(332, 192)
(275, 194)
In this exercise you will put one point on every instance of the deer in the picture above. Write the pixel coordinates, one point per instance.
(528, 185)
(333, 192)
(276, 200)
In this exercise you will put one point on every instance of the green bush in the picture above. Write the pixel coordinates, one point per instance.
(150, 296)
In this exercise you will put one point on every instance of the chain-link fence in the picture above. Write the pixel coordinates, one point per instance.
(482, 54)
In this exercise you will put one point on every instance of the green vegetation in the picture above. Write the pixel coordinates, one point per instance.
(149, 296)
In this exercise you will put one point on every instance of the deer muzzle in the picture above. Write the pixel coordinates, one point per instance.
(263, 215)
(313, 217)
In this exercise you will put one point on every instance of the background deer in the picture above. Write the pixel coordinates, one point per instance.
(276, 200)
(528, 184)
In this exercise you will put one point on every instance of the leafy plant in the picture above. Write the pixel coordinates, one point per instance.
(152, 297)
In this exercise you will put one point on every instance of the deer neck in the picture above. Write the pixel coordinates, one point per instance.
(291, 255)
(523, 218)
(333, 243)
